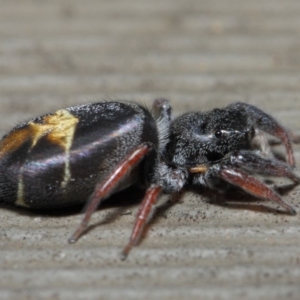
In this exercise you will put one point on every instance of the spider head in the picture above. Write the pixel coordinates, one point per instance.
(205, 138)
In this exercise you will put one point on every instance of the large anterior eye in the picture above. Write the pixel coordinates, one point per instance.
(218, 133)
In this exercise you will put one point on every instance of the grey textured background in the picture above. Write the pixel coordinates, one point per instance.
(199, 54)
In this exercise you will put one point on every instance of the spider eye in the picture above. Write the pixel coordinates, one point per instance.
(218, 133)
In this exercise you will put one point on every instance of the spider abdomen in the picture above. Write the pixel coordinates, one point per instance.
(56, 160)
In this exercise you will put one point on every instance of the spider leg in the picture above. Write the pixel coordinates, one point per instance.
(251, 162)
(104, 188)
(268, 124)
(162, 109)
(251, 185)
(142, 217)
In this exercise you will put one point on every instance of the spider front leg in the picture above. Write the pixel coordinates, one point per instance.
(253, 163)
(252, 186)
(268, 124)
(234, 171)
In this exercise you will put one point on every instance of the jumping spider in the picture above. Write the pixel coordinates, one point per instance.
(86, 153)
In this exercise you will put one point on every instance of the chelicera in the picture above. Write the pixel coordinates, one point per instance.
(84, 154)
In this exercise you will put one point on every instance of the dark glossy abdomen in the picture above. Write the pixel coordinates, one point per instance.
(58, 158)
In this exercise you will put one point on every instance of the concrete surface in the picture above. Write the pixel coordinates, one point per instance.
(199, 54)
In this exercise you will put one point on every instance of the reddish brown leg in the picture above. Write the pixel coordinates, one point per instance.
(268, 124)
(281, 133)
(251, 162)
(142, 218)
(253, 186)
(295, 138)
(105, 187)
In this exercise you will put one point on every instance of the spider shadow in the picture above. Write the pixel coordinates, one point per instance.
(120, 202)
(138, 195)
(233, 198)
